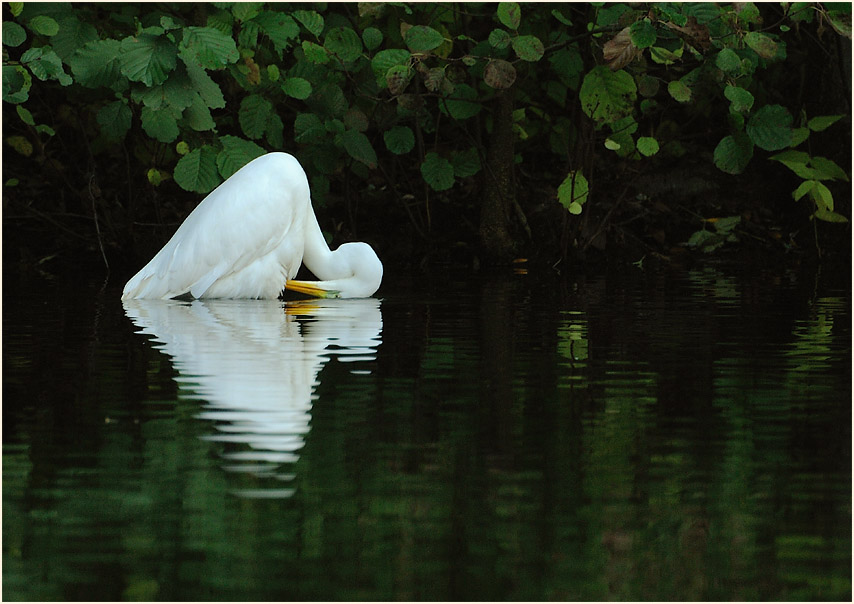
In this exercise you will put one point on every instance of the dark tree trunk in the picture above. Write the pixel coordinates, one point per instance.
(495, 240)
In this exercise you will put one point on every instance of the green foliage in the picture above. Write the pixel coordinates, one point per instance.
(607, 96)
(573, 192)
(438, 172)
(813, 170)
(197, 171)
(399, 140)
(722, 233)
(406, 85)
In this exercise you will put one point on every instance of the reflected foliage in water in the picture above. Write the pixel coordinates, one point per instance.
(634, 436)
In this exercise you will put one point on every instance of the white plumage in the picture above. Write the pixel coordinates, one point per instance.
(247, 239)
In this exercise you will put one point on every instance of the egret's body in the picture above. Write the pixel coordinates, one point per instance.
(247, 239)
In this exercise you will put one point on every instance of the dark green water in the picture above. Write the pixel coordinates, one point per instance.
(646, 435)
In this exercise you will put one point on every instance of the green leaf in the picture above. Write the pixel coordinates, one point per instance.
(461, 103)
(315, 53)
(208, 90)
(16, 8)
(308, 127)
(606, 96)
(343, 42)
(114, 119)
(642, 34)
(839, 17)
(740, 99)
(822, 122)
(21, 144)
(573, 191)
(160, 124)
(372, 37)
(770, 128)
(733, 154)
(197, 171)
(332, 99)
(437, 172)
(559, 16)
(281, 28)
(13, 34)
(253, 115)
(528, 48)
(25, 115)
(155, 176)
(499, 38)
(799, 135)
(208, 47)
(827, 169)
(726, 224)
(221, 20)
(147, 58)
(647, 146)
(386, 59)
(311, 20)
(97, 64)
(748, 13)
(796, 161)
(399, 139)
(509, 14)
(243, 11)
(664, 56)
(397, 78)
(499, 74)
(16, 84)
(707, 241)
(728, 61)
(679, 91)
(198, 116)
(176, 92)
(275, 132)
(359, 147)
(829, 216)
(45, 65)
(298, 88)
(44, 25)
(465, 163)
(822, 196)
(611, 144)
(804, 188)
(247, 36)
(355, 119)
(73, 35)
(621, 143)
(422, 38)
(236, 153)
(761, 44)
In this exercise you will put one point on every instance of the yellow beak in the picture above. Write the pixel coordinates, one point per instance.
(311, 289)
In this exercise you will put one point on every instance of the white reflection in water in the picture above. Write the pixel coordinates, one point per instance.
(256, 366)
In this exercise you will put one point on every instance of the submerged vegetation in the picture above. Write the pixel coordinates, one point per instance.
(434, 129)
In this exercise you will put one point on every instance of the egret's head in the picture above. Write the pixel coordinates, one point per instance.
(363, 273)
(354, 271)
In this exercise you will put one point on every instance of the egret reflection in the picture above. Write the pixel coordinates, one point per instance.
(255, 363)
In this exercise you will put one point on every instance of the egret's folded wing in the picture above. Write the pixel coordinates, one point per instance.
(244, 219)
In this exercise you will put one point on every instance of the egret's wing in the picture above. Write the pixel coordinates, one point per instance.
(242, 220)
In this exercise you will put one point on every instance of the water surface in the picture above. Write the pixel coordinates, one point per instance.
(667, 435)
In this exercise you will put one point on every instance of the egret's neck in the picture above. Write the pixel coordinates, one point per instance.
(316, 255)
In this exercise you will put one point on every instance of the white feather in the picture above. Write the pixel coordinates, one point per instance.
(248, 237)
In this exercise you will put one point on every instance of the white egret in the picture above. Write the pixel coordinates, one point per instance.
(247, 239)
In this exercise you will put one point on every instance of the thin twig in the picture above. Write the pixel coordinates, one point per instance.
(97, 226)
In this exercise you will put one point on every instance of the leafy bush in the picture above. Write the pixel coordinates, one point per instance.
(372, 91)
